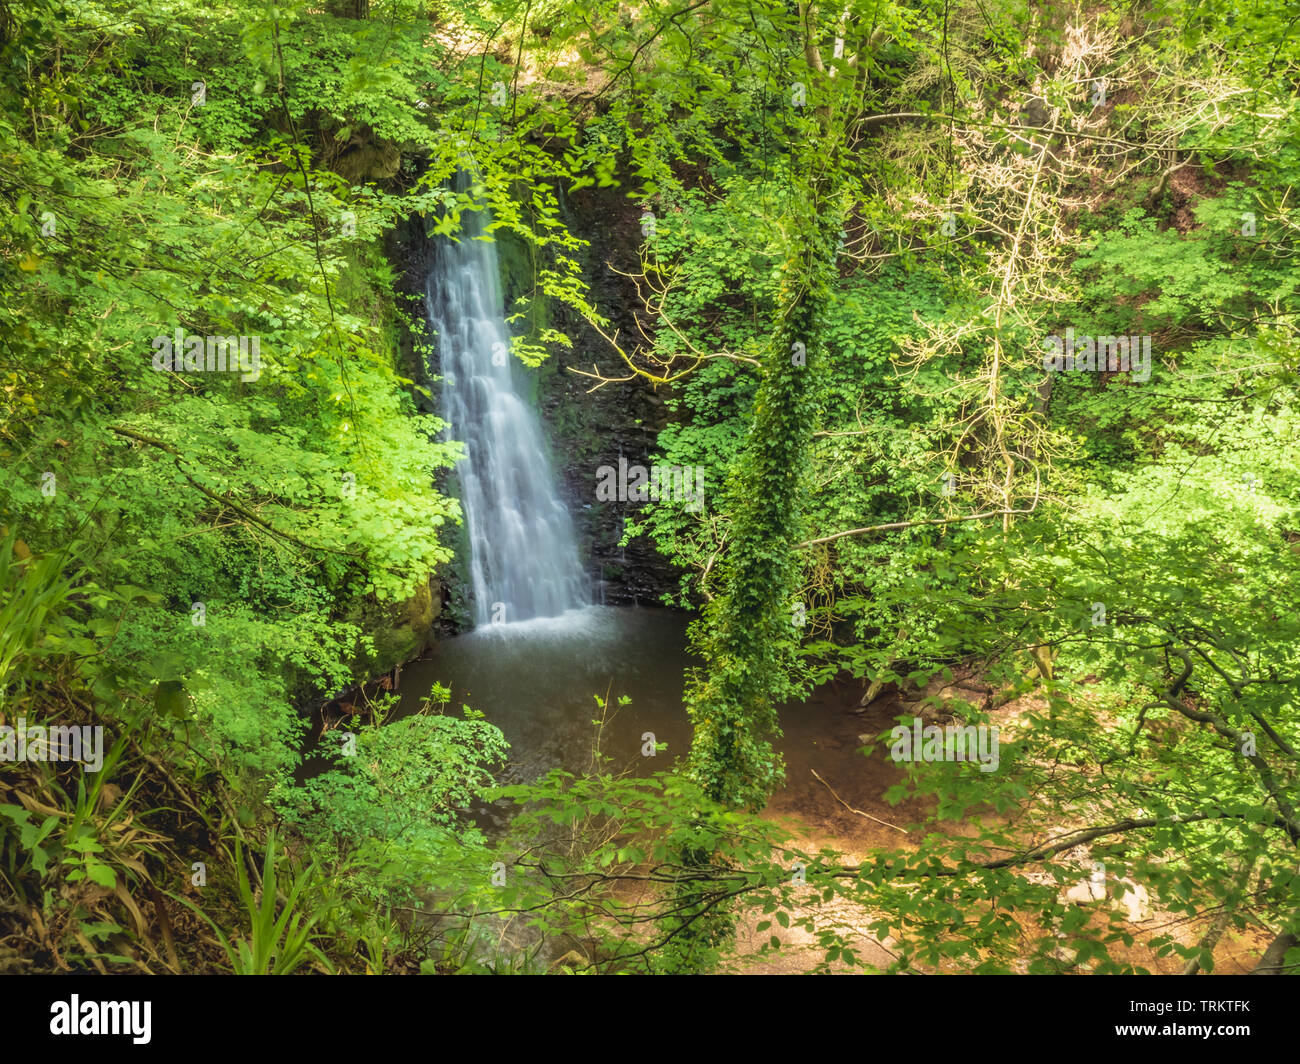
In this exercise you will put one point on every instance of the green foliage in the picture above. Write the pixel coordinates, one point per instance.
(281, 923)
(189, 559)
(34, 591)
(593, 831)
(397, 802)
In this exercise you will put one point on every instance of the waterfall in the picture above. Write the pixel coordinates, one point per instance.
(523, 557)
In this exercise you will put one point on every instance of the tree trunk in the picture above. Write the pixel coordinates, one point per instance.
(1271, 962)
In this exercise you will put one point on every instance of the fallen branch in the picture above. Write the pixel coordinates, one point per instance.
(858, 811)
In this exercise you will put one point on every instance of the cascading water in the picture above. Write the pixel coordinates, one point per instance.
(524, 560)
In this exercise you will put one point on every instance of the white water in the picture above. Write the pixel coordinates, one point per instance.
(524, 560)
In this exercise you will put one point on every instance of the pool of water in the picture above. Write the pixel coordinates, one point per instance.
(538, 681)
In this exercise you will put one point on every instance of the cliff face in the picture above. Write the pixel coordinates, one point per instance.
(585, 430)
(591, 429)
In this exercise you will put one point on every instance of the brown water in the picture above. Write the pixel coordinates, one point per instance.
(538, 681)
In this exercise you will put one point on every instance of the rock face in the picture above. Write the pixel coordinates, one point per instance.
(1124, 893)
(1086, 891)
(1135, 900)
(593, 429)
(364, 157)
(400, 630)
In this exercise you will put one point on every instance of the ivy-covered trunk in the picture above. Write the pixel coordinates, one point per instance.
(747, 628)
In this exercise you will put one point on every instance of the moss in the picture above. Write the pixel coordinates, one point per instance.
(399, 631)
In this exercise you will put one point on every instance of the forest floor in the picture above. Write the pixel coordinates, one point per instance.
(822, 735)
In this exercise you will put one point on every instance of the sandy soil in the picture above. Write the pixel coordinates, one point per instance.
(822, 736)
